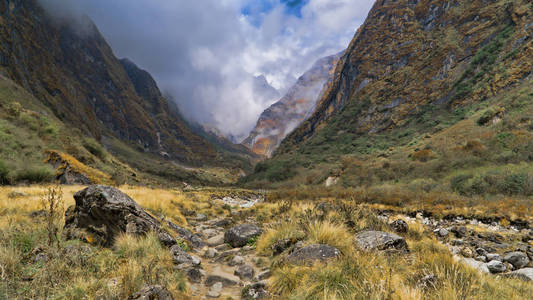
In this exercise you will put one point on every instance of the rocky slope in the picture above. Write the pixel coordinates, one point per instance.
(281, 118)
(74, 72)
(413, 56)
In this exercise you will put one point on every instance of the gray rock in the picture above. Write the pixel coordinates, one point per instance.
(517, 259)
(525, 274)
(200, 217)
(480, 266)
(313, 253)
(179, 256)
(239, 235)
(282, 245)
(104, 212)
(263, 275)
(442, 232)
(494, 256)
(210, 253)
(378, 240)
(245, 272)
(225, 278)
(481, 258)
(215, 240)
(153, 292)
(399, 226)
(459, 231)
(495, 266)
(195, 274)
(236, 261)
(186, 234)
(255, 291)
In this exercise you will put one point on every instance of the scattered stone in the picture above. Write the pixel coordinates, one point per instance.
(236, 261)
(517, 259)
(153, 292)
(475, 264)
(459, 231)
(263, 275)
(200, 218)
(215, 240)
(442, 232)
(282, 245)
(247, 248)
(467, 252)
(209, 232)
(525, 274)
(181, 257)
(312, 253)
(214, 291)
(239, 235)
(457, 242)
(399, 226)
(186, 234)
(210, 253)
(219, 276)
(221, 222)
(102, 213)
(255, 291)
(378, 240)
(481, 258)
(245, 272)
(195, 274)
(495, 266)
(481, 251)
(223, 247)
(493, 256)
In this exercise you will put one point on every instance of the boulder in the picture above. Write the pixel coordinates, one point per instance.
(524, 274)
(517, 259)
(315, 252)
(239, 235)
(153, 292)
(378, 240)
(480, 266)
(399, 226)
(102, 213)
(179, 256)
(494, 256)
(186, 234)
(495, 266)
(245, 272)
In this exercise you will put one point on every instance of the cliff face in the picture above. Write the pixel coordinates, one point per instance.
(75, 73)
(282, 117)
(412, 55)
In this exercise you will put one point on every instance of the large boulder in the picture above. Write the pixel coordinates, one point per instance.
(517, 259)
(377, 240)
(102, 213)
(240, 235)
(153, 292)
(525, 274)
(314, 252)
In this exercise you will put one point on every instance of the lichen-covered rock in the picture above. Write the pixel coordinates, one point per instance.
(315, 252)
(495, 266)
(240, 235)
(517, 259)
(245, 272)
(153, 292)
(378, 240)
(399, 226)
(102, 213)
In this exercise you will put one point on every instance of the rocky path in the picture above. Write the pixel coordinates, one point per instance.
(222, 262)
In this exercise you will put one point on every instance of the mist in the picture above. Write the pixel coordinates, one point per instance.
(207, 53)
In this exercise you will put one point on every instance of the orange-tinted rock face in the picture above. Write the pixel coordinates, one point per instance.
(413, 55)
(282, 117)
(79, 78)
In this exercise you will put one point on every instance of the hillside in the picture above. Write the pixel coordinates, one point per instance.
(425, 91)
(75, 73)
(282, 117)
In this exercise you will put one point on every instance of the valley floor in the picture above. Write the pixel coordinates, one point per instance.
(309, 248)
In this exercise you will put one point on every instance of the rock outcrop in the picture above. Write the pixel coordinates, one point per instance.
(282, 117)
(102, 213)
(240, 235)
(378, 240)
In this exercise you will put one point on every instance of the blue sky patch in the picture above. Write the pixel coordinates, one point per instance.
(255, 9)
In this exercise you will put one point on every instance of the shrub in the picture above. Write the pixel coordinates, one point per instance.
(514, 184)
(458, 183)
(4, 173)
(35, 174)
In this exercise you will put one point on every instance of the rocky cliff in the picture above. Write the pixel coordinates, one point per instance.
(413, 56)
(72, 69)
(282, 117)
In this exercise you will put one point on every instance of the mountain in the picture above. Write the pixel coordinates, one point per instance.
(290, 111)
(263, 91)
(71, 68)
(428, 79)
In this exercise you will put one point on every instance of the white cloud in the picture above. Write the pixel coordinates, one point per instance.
(205, 53)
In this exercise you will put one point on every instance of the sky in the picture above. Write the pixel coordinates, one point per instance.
(206, 53)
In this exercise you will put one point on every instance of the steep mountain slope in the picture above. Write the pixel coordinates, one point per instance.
(285, 115)
(416, 70)
(72, 69)
(409, 55)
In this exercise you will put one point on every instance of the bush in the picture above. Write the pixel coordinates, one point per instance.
(4, 173)
(514, 184)
(35, 174)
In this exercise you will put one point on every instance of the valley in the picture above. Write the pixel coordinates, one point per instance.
(398, 168)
